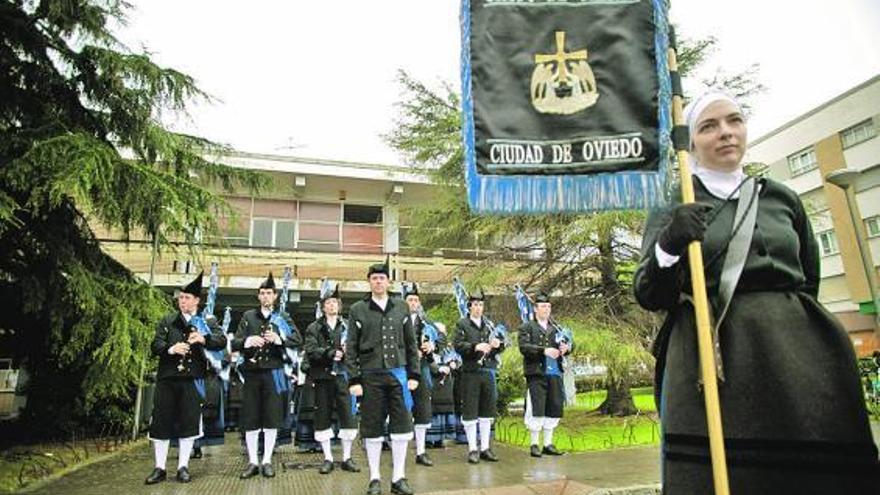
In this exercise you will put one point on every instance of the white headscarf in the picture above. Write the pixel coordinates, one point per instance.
(720, 184)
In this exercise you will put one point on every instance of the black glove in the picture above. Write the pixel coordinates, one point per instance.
(688, 224)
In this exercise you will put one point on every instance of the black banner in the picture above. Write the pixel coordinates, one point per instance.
(563, 87)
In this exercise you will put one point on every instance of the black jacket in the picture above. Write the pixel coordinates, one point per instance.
(269, 356)
(467, 336)
(533, 339)
(172, 329)
(380, 339)
(320, 345)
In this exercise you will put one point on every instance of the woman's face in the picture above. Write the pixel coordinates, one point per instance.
(719, 140)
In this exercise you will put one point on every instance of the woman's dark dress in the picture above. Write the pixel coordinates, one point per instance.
(793, 413)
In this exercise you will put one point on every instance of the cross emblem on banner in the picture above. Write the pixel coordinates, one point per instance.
(561, 57)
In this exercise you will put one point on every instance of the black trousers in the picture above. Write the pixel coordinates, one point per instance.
(479, 395)
(332, 400)
(177, 409)
(261, 406)
(383, 397)
(547, 396)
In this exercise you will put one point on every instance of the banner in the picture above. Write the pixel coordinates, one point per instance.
(566, 104)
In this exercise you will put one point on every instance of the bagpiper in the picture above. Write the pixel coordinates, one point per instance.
(261, 338)
(543, 353)
(325, 351)
(478, 343)
(180, 341)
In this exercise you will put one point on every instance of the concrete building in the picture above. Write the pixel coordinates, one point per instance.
(321, 218)
(839, 134)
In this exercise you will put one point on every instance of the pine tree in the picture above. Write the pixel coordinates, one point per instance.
(82, 144)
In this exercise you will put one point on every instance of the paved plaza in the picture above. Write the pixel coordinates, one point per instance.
(217, 472)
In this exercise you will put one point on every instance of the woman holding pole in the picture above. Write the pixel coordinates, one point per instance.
(793, 415)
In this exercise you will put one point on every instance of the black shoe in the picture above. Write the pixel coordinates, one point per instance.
(197, 453)
(267, 470)
(249, 472)
(375, 488)
(535, 451)
(326, 467)
(401, 487)
(552, 450)
(473, 457)
(350, 466)
(183, 475)
(424, 460)
(488, 455)
(156, 476)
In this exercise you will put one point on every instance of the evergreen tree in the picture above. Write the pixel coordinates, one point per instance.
(82, 144)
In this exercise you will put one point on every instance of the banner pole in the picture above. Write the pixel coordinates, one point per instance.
(701, 310)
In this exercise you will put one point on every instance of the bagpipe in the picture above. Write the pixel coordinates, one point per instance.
(324, 292)
(292, 358)
(199, 324)
(498, 331)
(447, 358)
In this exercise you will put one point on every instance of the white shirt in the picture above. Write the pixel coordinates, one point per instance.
(380, 302)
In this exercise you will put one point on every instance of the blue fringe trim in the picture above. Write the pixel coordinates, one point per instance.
(569, 193)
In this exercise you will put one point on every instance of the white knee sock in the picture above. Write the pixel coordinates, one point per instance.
(485, 430)
(374, 452)
(328, 452)
(251, 439)
(269, 436)
(398, 458)
(548, 436)
(184, 450)
(535, 435)
(347, 436)
(470, 430)
(160, 449)
(421, 434)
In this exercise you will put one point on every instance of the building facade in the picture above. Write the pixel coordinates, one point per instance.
(839, 135)
(320, 218)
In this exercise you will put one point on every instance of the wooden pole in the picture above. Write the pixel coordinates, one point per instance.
(701, 309)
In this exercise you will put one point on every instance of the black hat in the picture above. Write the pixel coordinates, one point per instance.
(194, 287)
(332, 295)
(542, 297)
(476, 296)
(269, 283)
(410, 290)
(380, 268)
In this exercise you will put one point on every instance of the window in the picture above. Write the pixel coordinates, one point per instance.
(828, 243)
(802, 161)
(862, 131)
(362, 228)
(319, 227)
(872, 226)
(362, 214)
(272, 232)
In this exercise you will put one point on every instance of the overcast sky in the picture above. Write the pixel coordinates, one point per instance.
(318, 78)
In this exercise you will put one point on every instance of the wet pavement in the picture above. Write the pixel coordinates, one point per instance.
(586, 473)
(517, 473)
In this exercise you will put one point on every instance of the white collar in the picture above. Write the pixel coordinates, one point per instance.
(720, 184)
(380, 302)
(265, 312)
(477, 322)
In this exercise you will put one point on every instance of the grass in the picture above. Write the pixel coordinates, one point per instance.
(582, 429)
(24, 465)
